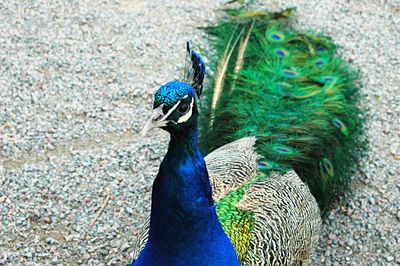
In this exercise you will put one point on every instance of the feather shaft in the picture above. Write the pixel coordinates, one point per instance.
(221, 71)
(240, 56)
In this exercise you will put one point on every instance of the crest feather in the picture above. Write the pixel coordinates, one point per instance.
(196, 71)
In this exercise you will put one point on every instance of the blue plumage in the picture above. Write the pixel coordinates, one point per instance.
(184, 227)
(170, 93)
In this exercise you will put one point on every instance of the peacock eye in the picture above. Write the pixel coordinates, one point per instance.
(183, 108)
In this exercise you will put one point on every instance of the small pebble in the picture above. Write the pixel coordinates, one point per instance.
(54, 261)
(389, 258)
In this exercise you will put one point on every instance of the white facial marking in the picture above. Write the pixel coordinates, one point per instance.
(186, 117)
(170, 111)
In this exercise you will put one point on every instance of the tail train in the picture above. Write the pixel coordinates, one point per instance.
(291, 90)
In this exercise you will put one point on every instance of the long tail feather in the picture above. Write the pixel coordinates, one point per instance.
(240, 57)
(222, 68)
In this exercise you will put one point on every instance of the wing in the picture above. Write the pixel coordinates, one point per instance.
(141, 239)
(271, 217)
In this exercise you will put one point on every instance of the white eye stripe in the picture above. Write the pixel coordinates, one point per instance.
(186, 117)
(183, 118)
(170, 111)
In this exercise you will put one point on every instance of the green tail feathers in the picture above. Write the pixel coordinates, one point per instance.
(288, 88)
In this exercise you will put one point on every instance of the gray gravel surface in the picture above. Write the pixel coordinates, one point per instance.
(76, 84)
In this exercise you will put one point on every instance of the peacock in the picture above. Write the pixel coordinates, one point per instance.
(279, 126)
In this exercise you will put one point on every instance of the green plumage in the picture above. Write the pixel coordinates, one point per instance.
(290, 90)
(236, 223)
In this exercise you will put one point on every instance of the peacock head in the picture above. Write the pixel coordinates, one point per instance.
(175, 107)
(175, 103)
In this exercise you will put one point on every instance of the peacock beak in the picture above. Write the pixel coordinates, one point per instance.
(157, 119)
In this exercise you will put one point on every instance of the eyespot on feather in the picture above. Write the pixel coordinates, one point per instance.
(319, 63)
(284, 150)
(289, 73)
(281, 53)
(276, 36)
(339, 124)
(326, 167)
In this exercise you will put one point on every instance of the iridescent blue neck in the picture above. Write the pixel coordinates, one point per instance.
(183, 144)
(182, 192)
(184, 228)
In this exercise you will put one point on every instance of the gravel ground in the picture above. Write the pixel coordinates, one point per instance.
(76, 83)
